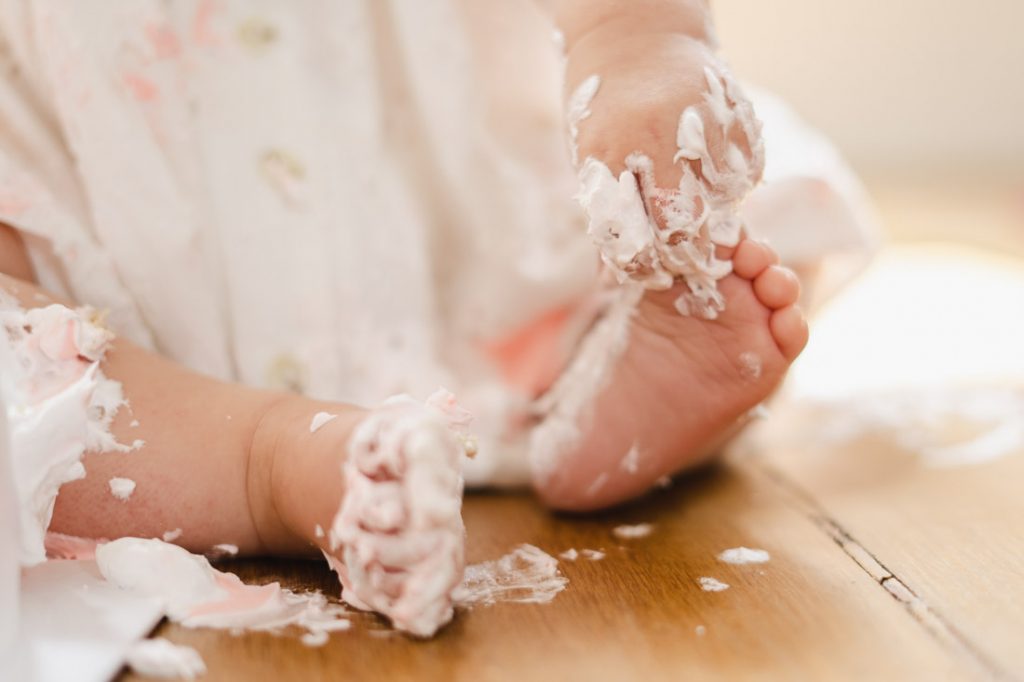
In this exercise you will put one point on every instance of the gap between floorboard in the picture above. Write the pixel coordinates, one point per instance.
(944, 632)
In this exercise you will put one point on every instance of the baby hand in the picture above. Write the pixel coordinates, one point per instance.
(380, 493)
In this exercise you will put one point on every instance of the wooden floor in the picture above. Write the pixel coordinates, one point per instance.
(865, 582)
(881, 569)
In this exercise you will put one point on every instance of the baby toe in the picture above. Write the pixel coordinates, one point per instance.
(777, 287)
(789, 328)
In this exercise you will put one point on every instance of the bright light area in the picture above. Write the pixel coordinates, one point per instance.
(923, 316)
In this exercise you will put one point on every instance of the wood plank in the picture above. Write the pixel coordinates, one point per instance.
(953, 535)
(809, 613)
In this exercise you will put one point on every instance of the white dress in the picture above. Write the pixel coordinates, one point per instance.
(345, 199)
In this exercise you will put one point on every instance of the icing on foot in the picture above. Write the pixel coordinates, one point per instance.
(702, 325)
(399, 533)
(678, 389)
(656, 236)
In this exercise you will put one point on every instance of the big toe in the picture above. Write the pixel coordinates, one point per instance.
(777, 287)
(789, 328)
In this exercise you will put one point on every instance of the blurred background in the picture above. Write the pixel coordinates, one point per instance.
(902, 87)
(925, 100)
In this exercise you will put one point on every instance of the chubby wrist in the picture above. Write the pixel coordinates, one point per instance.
(295, 473)
(272, 433)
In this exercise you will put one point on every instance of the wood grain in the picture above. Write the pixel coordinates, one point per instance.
(809, 613)
(953, 536)
(881, 569)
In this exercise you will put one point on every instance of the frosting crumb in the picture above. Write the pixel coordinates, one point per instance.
(709, 584)
(319, 419)
(163, 659)
(744, 555)
(527, 575)
(121, 488)
(627, 532)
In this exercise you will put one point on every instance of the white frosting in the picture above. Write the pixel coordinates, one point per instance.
(593, 554)
(315, 639)
(565, 407)
(171, 535)
(319, 419)
(758, 411)
(121, 488)
(225, 549)
(626, 532)
(631, 461)
(165, 660)
(195, 594)
(399, 532)
(657, 236)
(569, 555)
(598, 484)
(990, 423)
(58, 405)
(744, 555)
(578, 108)
(278, 609)
(180, 579)
(558, 39)
(527, 575)
(709, 584)
(750, 366)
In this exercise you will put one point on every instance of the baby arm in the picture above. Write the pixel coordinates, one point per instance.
(378, 492)
(207, 462)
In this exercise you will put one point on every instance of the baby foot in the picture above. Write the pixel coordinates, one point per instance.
(681, 385)
(705, 323)
(397, 542)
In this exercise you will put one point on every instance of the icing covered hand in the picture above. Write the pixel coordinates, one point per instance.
(397, 541)
(380, 493)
